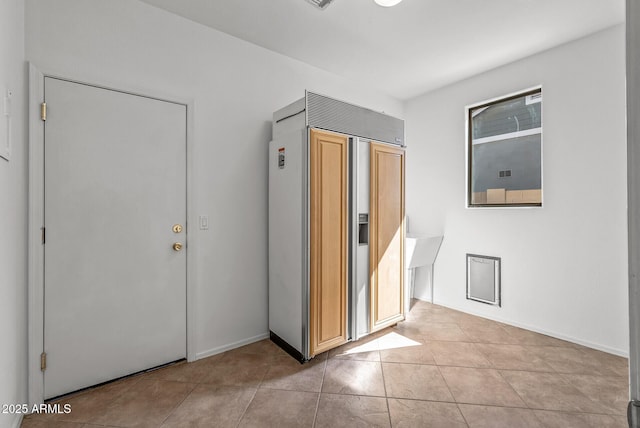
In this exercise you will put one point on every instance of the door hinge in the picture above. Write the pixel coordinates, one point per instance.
(44, 234)
(43, 361)
(43, 111)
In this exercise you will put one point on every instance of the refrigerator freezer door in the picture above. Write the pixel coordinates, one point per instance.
(287, 239)
(329, 249)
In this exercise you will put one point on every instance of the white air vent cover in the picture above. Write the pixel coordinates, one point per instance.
(321, 3)
(483, 279)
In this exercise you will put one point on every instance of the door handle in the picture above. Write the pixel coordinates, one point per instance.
(177, 246)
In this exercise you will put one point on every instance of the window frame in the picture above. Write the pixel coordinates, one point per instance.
(469, 149)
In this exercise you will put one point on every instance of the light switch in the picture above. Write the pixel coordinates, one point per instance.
(204, 222)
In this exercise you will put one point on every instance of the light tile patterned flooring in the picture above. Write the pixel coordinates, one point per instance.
(440, 368)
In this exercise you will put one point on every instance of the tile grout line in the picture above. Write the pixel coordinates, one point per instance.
(455, 400)
(474, 404)
(491, 367)
(179, 404)
(324, 372)
(462, 414)
(244, 412)
(564, 377)
(504, 328)
(247, 407)
(448, 387)
(555, 371)
(447, 384)
(574, 412)
(566, 382)
(513, 389)
(384, 384)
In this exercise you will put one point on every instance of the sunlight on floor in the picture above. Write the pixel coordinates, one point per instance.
(388, 341)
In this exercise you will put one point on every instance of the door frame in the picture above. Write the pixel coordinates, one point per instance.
(35, 303)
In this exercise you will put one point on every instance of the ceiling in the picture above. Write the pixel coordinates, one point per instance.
(409, 49)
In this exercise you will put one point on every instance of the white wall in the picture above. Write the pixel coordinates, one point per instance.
(13, 214)
(633, 169)
(236, 87)
(564, 266)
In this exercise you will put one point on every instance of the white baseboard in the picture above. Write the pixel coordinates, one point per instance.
(588, 344)
(223, 348)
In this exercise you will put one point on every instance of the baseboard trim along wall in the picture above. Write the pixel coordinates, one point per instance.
(228, 347)
(609, 350)
(619, 352)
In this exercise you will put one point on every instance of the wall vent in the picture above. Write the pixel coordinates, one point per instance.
(483, 279)
(320, 3)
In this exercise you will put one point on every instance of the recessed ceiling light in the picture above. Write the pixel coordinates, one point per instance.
(387, 3)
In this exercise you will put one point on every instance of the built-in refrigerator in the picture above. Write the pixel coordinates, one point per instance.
(336, 224)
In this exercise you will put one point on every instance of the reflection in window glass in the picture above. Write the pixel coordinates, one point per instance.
(505, 151)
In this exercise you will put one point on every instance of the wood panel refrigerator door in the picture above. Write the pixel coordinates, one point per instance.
(328, 241)
(386, 225)
(115, 184)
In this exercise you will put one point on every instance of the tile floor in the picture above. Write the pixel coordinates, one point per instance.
(440, 368)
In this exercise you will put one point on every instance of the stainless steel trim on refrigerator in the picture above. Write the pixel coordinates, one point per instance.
(352, 155)
(307, 250)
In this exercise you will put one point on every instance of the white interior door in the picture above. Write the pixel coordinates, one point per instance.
(115, 184)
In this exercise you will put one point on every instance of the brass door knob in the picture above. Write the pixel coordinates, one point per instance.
(177, 228)
(177, 246)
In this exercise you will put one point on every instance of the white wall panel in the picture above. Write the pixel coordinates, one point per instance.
(13, 215)
(564, 266)
(236, 86)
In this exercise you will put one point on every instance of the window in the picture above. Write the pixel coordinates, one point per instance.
(505, 152)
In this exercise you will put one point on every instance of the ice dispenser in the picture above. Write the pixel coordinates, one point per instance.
(363, 229)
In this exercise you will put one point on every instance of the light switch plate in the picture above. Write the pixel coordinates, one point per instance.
(203, 221)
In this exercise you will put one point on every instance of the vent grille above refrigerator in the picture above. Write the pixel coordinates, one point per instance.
(333, 115)
(320, 3)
